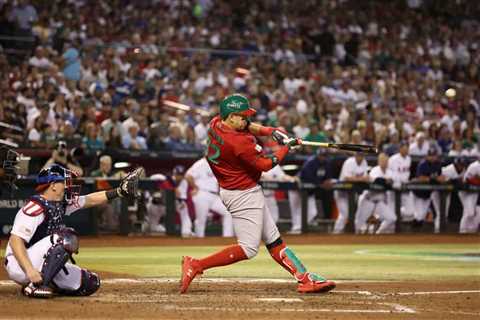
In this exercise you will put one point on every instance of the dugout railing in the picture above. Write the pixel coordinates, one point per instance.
(87, 222)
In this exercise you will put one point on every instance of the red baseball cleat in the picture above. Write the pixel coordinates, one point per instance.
(190, 269)
(316, 284)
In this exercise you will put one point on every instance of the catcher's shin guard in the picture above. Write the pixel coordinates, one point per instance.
(55, 260)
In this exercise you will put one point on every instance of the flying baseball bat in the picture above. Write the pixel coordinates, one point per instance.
(342, 146)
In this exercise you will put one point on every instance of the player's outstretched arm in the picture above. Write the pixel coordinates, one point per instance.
(128, 188)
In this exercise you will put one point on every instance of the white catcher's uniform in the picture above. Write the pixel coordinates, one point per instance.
(25, 225)
(207, 198)
(400, 170)
(350, 168)
(471, 211)
(375, 202)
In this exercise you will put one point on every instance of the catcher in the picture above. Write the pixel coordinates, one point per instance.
(237, 162)
(40, 244)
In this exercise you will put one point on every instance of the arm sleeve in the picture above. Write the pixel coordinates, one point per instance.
(246, 150)
(74, 207)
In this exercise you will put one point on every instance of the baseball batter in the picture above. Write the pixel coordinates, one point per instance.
(354, 169)
(40, 244)
(471, 210)
(371, 201)
(238, 162)
(204, 190)
(399, 165)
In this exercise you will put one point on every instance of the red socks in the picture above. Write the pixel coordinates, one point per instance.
(224, 257)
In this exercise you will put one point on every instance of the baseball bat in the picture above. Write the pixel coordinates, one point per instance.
(342, 146)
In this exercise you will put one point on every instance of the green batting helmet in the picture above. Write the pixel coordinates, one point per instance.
(236, 103)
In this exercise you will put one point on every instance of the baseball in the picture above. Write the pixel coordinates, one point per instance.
(450, 93)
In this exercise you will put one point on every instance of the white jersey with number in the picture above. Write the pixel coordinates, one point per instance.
(400, 168)
(31, 215)
(473, 170)
(351, 168)
(450, 172)
(204, 178)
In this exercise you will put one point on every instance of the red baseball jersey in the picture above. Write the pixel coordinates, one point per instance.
(235, 157)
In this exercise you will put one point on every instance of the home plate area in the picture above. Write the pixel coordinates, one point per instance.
(210, 298)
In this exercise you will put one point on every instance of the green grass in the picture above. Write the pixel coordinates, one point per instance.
(374, 262)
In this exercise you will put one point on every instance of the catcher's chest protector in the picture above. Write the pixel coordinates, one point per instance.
(54, 212)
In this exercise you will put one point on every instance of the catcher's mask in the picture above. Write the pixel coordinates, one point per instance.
(57, 173)
(10, 167)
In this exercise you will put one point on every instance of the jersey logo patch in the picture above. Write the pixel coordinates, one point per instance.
(32, 209)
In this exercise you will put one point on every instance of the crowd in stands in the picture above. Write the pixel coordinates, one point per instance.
(98, 73)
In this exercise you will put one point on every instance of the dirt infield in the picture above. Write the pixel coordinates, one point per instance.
(239, 300)
(211, 298)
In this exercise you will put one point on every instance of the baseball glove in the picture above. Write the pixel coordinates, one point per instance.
(128, 187)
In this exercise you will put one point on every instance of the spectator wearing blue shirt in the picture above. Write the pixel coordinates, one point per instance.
(429, 171)
(71, 63)
(131, 140)
(317, 170)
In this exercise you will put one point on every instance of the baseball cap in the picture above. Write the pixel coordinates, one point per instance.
(236, 103)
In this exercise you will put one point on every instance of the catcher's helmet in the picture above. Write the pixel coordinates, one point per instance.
(236, 103)
(57, 173)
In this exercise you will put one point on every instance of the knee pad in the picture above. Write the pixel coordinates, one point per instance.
(68, 237)
(90, 282)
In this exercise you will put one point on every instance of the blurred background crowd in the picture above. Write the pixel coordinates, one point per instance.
(103, 74)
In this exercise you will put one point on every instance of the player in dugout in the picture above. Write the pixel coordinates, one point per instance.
(237, 161)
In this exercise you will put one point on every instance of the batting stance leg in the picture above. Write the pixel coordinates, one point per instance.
(252, 223)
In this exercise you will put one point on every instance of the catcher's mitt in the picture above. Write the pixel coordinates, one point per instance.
(128, 187)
